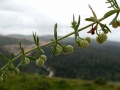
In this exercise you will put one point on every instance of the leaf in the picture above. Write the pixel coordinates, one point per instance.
(55, 32)
(37, 43)
(4, 57)
(92, 11)
(78, 23)
(34, 37)
(109, 13)
(108, 28)
(114, 19)
(92, 19)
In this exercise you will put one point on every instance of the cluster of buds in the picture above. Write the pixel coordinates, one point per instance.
(26, 61)
(41, 60)
(84, 43)
(101, 38)
(63, 49)
(116, 24)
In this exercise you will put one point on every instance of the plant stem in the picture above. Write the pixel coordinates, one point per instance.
(101, 19)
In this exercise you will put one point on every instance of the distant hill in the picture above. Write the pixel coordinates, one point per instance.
(6, 40)
(95, 61)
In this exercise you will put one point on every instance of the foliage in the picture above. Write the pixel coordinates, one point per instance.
(36, 82)
(56, 47)
(100, 81)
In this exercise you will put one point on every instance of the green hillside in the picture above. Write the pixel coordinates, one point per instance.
(91, 63)
(5, 40)
(36, 82)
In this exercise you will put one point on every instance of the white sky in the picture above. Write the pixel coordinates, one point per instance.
(25, 16)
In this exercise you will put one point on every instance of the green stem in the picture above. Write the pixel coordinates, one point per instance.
(59, 38)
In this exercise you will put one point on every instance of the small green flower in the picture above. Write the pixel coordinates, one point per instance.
(115, 24)
(84, 44)
(26, 61)
(69, 48)
(88, 39)
(1, 79)
(43, 57)
(40, 62)
(101, 38)
(99, 41)
(58, 51)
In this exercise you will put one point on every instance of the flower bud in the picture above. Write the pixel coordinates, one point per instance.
(115, 24)
(40, 62)
(88, 39)
(84, 44)
(57, 51)
(99, 41)
(69, 48)
(26, 61)
(101, 38)
(43, 57)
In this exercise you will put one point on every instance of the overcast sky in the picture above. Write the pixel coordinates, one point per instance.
(25, 16)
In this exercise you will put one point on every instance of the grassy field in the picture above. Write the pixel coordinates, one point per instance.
(36, 82)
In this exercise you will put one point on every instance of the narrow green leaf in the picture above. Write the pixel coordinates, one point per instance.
(109, 13)
(92, 19)
(78, 23)
(37, 41)
(108, 28)
(11, 56)
(114, 19)
(111, 6)
(73, 18)
(55, 32)
(4, 57)
(34, 37)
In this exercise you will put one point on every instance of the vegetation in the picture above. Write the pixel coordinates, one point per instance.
(36, 82)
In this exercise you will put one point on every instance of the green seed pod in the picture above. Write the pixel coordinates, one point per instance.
(115, 24)
(69, 48)
(1, 79)
(57, 51)
(88, 39)
(84, 44)
(99, 41)
(43, 57)
(26, 61)
(102, 37)
(58, 46)
(78, 42)
(40, 62)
